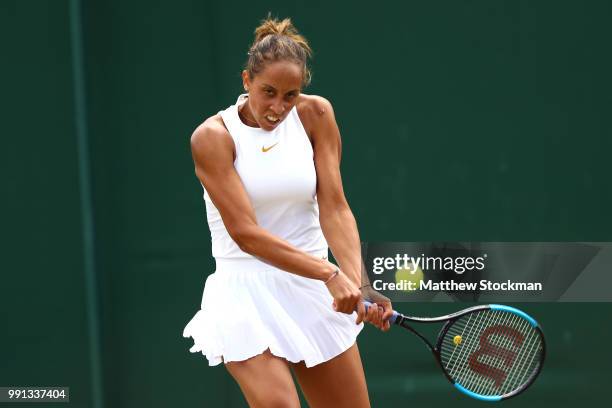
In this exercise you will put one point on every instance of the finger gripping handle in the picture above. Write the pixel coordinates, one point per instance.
(393, 317)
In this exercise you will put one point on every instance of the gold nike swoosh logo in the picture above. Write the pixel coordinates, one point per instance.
(265, 149)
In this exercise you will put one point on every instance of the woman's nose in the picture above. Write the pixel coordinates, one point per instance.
(278, 108)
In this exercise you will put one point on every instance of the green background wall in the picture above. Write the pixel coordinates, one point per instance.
(472, 120)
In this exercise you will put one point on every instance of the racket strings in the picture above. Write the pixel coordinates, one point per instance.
(526, 363)
(450, 358)
(491, 352)
(472, 344)
(481, 383)
(462, 372)
(491, 375)
(458, 365)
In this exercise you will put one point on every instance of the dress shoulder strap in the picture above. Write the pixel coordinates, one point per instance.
(230, 118)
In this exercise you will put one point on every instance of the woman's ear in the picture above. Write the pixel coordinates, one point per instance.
(245, 80)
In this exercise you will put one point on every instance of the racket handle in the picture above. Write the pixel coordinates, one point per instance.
(391, 319)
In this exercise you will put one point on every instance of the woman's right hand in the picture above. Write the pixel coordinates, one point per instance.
(345, 293)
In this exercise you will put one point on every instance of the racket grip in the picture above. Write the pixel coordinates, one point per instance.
(391, 319)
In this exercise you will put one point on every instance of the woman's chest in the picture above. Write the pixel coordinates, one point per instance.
(277, 170)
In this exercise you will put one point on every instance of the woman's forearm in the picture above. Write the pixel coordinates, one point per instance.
(277, 252)
(340, 230)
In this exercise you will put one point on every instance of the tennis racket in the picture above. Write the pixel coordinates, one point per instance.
(489, 352)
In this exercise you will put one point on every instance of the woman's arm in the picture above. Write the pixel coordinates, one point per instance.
(337, 220)
(213, 155)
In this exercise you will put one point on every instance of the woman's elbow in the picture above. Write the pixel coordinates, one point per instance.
(334, 208)
(244, 237)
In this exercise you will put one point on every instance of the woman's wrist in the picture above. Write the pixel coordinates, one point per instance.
(333, 275)
(328, 271)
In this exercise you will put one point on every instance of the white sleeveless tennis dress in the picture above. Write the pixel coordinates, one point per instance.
(249, 306)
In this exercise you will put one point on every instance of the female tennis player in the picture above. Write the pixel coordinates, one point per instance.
(270, 169)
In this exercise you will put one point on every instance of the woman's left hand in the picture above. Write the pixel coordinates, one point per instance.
(381, 310)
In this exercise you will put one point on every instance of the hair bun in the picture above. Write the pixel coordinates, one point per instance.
(271, 26)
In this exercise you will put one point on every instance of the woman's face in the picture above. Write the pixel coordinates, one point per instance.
(272, 93)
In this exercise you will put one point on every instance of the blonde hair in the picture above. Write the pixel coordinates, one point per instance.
(276, 41)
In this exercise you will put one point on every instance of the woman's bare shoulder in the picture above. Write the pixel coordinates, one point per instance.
(211, 134)
(312, 109)
(313, 105)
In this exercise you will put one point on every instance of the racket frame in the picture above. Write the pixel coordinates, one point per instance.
(402, 320)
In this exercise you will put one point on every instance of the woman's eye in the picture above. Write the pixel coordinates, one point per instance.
(269, 92)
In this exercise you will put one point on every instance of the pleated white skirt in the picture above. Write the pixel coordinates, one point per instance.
(249, 306)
